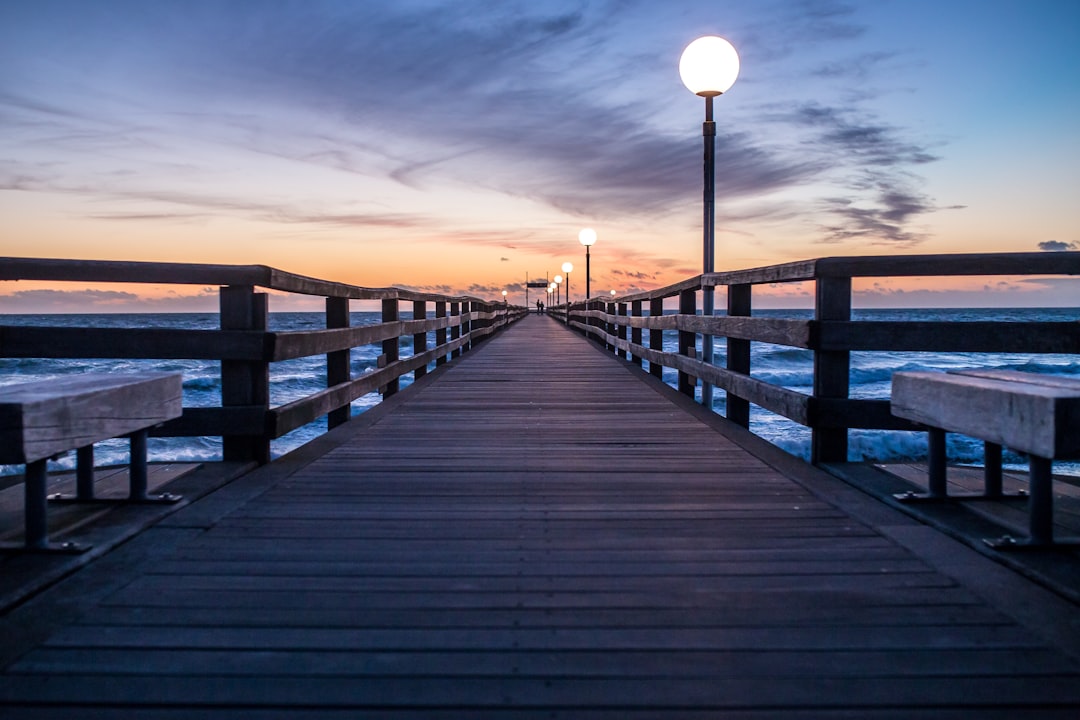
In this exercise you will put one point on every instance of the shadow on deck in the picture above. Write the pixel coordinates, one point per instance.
(541, 530)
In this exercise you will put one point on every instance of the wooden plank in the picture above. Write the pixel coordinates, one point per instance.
(134, 343)
(195, 274)
(43, 418)
(927, 336)
(1032, 263)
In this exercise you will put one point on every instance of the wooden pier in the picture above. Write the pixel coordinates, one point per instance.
(540, 529)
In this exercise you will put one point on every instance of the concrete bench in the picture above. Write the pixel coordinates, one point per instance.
(1028, 412)
(41, 419)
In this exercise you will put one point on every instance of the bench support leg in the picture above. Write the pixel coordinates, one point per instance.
(84, 473)
(137, 473)
(1041, 501)
(37, 525)
(137, 467)
(938, 481)
(937, 472)
(35, 517)
(1040, 511)
(992, 470)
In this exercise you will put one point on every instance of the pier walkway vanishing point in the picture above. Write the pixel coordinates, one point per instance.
(533, 531)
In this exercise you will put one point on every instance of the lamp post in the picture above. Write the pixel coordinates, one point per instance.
(708, 68)
(558, 289)
(587, 237)
(550, 292)
(567, 268)
(504, 297)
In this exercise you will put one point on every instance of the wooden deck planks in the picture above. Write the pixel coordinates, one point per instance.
(537, 533)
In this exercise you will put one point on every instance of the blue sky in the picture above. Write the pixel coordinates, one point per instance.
(460, 145)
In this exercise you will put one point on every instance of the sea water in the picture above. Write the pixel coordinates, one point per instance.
(792, 368)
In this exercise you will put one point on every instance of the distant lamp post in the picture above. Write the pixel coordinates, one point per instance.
(709, 67)
(587, 237)
(567, 268)
(558, 288)
(504, 297)
(551, 291)
(612, 294)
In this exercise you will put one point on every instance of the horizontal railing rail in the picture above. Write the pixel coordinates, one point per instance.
(621, 323)
(247, 349)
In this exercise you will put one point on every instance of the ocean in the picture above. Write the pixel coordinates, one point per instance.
(871, 374)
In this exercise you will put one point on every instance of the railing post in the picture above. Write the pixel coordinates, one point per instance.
(738, 352)
(419, 340)
(610, 327)
(622, 329)
(455, 330)
(440, 334)
(635, 332)
(831, 369)
(337, 362)
(244, 382)
(656, 336)
(687, 340)
(391, 347)
(467, 325)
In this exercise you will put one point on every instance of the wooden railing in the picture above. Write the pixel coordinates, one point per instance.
(247, 349)
(832, 335)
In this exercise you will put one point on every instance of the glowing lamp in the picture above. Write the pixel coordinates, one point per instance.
(709, 66)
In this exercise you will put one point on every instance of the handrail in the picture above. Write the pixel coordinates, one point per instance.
(159, 273)
(247, 348)
(620, 323)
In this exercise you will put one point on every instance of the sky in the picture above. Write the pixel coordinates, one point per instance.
(458, 145)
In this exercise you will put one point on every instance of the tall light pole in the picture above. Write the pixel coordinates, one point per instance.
(558, 289)
(708, 68)
(587, 237)
(567, 268)
(504, 297)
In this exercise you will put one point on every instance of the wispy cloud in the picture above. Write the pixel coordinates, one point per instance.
(873, 162)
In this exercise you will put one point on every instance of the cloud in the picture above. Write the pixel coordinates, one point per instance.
(1056, 246)
(504, 259)
(873, 163)
(853, 70)
(634, 275)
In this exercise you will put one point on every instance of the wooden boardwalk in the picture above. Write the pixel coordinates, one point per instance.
(537, 532)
